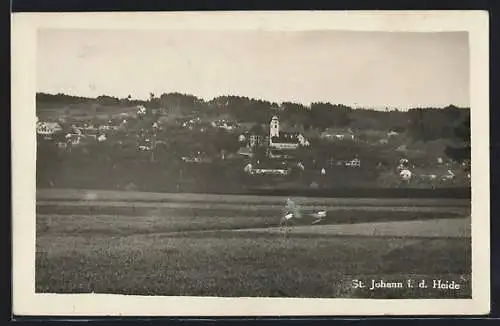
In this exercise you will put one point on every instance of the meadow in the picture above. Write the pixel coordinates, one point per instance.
(231, 251)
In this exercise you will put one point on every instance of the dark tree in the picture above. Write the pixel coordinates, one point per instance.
(462, 132)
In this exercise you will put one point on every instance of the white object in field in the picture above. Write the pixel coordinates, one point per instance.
(449, 175)
(284, 222)
(440, 160)
(248, 167)
(323, 171)
(320, 214)
(101, 137)
(405, 175)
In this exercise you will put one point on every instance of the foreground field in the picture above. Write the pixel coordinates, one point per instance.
(237, 251)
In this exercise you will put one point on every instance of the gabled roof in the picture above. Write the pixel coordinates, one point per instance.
(289, 138)
(49, 124)
(337, 131)
(245, 151)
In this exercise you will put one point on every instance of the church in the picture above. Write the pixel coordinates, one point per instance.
(283, 140)
(275, 139)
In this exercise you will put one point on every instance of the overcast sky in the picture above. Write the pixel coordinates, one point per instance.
(354, 68)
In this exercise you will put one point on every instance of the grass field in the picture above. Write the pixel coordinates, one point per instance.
(233, 251)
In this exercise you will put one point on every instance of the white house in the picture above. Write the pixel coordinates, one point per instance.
(303, 141)
(254, 140)
(332, 134)
(355, 163)
(224, 124)
(48, 128)
(141, 110)
(405, 175)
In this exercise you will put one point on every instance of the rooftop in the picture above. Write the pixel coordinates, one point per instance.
(286, 138)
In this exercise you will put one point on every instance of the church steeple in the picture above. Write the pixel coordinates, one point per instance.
(274, 127)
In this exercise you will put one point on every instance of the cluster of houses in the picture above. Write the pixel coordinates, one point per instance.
(196, 124)
(338, 134)
(275, 139)
(443, 172)
(225, 124)
(193, 123)
(278, 144)
(82, 131)
(279, 148)
(74, 134)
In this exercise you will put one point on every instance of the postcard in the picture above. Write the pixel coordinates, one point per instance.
(250, 163)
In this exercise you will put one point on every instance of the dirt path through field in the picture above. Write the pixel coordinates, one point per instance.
(446, 228)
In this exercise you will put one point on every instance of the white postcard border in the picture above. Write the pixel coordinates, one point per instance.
(24, 31)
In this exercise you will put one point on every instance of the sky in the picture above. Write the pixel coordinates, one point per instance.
(370, 69)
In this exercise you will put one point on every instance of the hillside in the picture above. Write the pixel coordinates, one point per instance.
(425, 123)
(422, 135)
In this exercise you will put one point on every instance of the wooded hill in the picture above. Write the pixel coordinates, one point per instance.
(421, 124)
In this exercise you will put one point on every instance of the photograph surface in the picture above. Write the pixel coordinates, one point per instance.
(263, 165)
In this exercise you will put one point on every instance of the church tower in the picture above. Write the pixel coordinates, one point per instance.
(274, 127)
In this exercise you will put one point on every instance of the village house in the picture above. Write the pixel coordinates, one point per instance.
(141, 110)
(74, 136)
(245, 151)
(392, 133)
(256, 139)
(112, 124)
(337, 134)
(224, 124)
(279, 153)
(48, 128)
(268, 167)
(256, 136)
